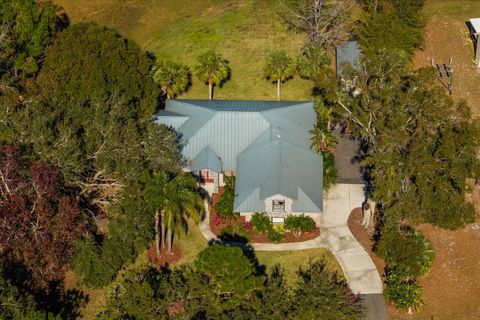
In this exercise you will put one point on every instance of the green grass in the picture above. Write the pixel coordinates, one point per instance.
(452, 8)
(244, 32)
(291, 261)
(191, 243)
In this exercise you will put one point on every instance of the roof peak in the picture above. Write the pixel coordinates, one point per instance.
(238, 105)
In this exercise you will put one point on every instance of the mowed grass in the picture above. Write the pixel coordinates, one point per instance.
(291, 261)
(244, 32)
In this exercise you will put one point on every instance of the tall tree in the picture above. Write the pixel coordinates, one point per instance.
(212, 69)
(421, 146)
(392, 25)
(313, 63)
(173, 198)
(321, 294)
(26, 28)
(39, 221)
(93, 107)
(233, 272)
(326, 22)
(173, 78)
(279, 67)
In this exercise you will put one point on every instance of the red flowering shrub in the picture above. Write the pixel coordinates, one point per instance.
(218, 221)
(247, 225)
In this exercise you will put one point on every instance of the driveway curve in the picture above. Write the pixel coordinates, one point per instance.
(359, 270)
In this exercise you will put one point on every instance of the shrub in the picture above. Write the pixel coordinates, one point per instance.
(230, 269)
(261, 222)
(407, 251)
(218, 221)
(299, 224)
(329, 172)
(224, 206)
(275, 236)
(403, 293)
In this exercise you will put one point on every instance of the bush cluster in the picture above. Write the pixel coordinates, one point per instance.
(262, 223)
(299, 224)
(403, 293)
(408, 255)
(407, 251)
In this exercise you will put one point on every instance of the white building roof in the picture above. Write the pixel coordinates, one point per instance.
(475, 24)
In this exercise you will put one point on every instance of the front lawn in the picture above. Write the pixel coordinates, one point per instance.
(290, 261)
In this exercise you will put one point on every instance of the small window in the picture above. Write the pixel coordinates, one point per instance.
(278, 205)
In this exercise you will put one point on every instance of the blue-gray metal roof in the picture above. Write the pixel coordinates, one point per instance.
(231, 128)
(279, 167)
(206, 159)
(348, 53)
(240, 105)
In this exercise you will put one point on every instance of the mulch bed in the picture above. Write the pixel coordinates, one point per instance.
(165, 257)
(216, 228)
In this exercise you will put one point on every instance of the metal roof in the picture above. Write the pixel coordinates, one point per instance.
(475, 22)
(279, 167)
(348, 53)
(207, 159)
(240, 105)
(237, 131)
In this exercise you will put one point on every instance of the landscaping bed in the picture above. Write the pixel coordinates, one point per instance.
(237, 229)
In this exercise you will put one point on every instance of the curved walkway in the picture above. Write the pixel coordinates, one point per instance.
(359, 270)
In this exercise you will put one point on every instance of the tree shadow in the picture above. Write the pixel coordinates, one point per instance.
(63, 302)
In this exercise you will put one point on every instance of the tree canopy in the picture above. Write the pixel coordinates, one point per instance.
(212, 69)
(40, 221)
(278, 67)
(421, 145)
(173, 78)
(26, 28)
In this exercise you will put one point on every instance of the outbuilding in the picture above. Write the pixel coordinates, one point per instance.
(474, 26)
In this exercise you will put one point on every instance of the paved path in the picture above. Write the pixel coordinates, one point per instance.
(359, 270)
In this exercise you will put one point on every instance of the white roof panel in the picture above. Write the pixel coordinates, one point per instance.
(476, 24)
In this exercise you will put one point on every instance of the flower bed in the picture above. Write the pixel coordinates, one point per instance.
(239, 230)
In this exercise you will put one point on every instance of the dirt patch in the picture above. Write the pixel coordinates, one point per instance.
(447, 37)
(451, 289)
(165, 257)
(217, 224)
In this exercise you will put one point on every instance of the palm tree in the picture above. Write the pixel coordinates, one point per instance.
(278, 67)
(173, 198)
(212, 69)
(173, 78)
(322, 139)
(313, 63)
(154, 196)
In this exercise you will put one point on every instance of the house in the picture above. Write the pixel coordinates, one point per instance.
(265, 144)
(474, 27)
